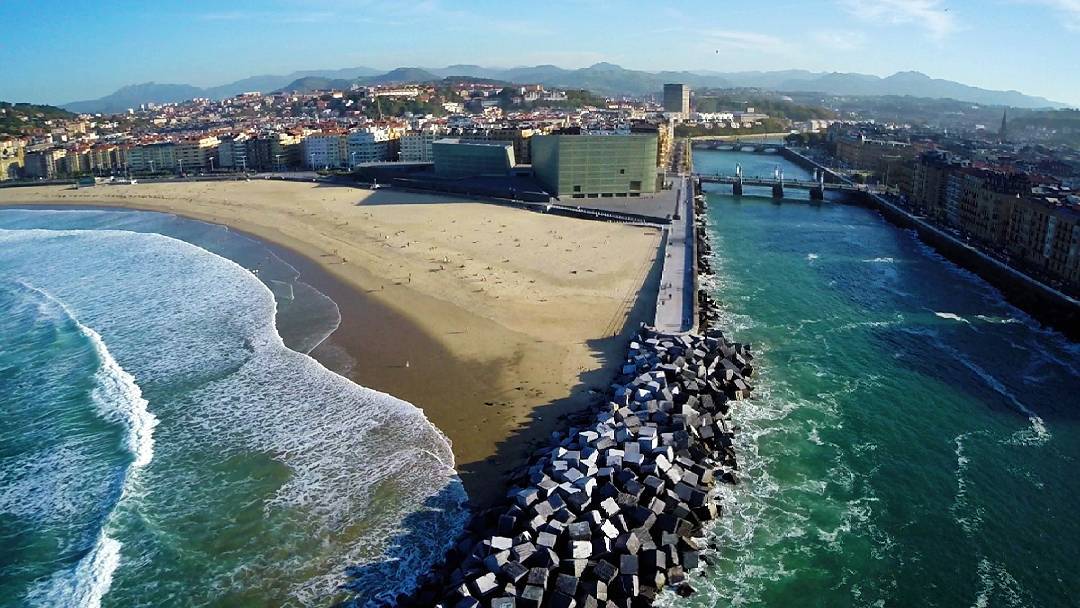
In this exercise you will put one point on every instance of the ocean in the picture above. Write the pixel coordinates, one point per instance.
(167, 440)
(914, 438)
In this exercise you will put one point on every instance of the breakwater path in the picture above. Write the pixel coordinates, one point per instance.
(678, 286)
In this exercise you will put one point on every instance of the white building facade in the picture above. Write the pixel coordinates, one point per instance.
(324, 151)
(370, 145)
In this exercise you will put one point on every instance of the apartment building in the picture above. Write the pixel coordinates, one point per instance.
(370, 145)
(1037, 227)
(232, 152)
(677, 98)
(1044, 234)
(197, 154)
(106, 158)
(76, 161)
(417, 146)
(325, 150)
(875, 155)
(275, 152)
(160, 156)
(985, 203)
(12, 153)
(44, 163)
(929, 183)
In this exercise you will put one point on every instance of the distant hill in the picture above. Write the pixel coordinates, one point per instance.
(1062, 126)
(398, 76)
(16, 118)
(132, 96)
(467, 71)
(613, 80)
(601, 78)
(315, 83)
(914, 84)
(268, 82)
(610, 79)
(401, 75)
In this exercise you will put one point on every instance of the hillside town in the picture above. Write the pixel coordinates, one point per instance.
(323, 130)
(1015, 198)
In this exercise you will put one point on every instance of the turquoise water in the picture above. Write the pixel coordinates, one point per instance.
(914, 438)
(164, 446)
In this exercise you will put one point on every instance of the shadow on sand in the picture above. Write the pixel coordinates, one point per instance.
(381, 583)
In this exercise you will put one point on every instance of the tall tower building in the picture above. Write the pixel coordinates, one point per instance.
(677, 98)
(1003, 133)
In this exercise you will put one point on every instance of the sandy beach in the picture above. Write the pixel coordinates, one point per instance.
(495, 321)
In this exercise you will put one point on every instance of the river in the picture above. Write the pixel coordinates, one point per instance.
(914, 438)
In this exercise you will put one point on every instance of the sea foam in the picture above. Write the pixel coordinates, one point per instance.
(118, 399)
(360, 469)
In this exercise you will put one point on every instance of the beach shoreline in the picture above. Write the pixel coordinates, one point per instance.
(496, 391)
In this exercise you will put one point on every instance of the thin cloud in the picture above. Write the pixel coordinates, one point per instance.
(744, 41)
(1069, 10)
(839, 40)
(930, 15)
(706, 39)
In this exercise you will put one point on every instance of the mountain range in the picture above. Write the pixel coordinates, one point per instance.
(602, 78)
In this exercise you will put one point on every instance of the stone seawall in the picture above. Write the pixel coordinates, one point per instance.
(610, 513)
(707, 310)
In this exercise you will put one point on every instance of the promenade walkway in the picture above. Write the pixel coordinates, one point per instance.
(678, 285)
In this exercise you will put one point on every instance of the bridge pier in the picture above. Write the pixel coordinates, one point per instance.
(817, 193)
(778, 191)
(736, 189)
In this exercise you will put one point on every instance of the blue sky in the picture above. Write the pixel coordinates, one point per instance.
(58, 51)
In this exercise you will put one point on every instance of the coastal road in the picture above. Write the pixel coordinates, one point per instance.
(675, 302)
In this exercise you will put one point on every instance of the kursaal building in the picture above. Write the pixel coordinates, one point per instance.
(594, 166)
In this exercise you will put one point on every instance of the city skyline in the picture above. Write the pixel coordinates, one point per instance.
(124, 43)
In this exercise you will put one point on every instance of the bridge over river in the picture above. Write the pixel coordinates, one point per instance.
(740, 146)
(777, 183)
(817, 186)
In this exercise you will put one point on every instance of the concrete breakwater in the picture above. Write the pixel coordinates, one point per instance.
(609, 513)
(708, 311)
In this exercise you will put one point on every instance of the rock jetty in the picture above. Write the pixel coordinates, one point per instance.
(610, 513)
(708, 310)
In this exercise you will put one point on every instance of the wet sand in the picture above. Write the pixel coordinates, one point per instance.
(494, 321)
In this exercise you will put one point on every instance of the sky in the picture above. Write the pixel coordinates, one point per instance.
(54, 51)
